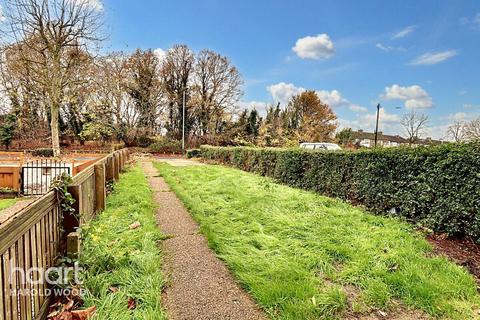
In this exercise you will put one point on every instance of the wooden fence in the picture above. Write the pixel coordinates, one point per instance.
(34, 238)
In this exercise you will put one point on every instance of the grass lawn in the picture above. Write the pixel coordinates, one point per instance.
(305, 256)
(122, 262)
(6, 203)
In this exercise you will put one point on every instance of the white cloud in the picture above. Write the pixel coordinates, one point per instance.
(462, 92)
(473, 22)
(430, 58)
(389, 48)
(357, 108)
(404, 32)
(367, 122)
(415, 97)
(96, 5)
(282, 92)
(384, 117)
(332, 98)
(159, 53)
(261, 107)
(459, 116)
(314, 47)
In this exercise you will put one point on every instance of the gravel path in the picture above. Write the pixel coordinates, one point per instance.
(199, 285)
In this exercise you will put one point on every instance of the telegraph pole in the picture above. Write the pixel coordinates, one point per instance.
(183, 120)
(376, 126)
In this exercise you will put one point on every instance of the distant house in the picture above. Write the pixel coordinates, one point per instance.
(367, 139)
(429, 142)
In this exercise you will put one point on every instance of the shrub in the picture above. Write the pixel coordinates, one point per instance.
(435, 186)
(43, 152)
(194, 153)
(145, 141)
(166, 146)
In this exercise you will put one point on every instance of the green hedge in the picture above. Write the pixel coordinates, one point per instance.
(438, 187)
(193, 153)
(165, 145)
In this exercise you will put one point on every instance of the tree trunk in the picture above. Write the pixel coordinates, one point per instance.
(55, 131)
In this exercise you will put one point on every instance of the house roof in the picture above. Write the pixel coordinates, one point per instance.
(360, 134)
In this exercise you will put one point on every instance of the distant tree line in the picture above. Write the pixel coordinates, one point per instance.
(55, 86)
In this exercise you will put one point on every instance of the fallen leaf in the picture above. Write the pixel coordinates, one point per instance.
(382, 313)
(113, 289)
(132, 304)
(69, 305)
(65, 316)
(84, 314)
(135, 225)
(53, 314)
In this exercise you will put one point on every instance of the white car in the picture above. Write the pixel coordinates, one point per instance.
(320, 146)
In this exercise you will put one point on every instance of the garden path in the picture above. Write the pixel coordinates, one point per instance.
(199, 285)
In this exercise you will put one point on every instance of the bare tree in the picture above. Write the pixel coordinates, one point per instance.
(472, 130)
(175, 73)
(457, 131)
(414, 124)
(47, 36)
(216, 90)
(144, 87)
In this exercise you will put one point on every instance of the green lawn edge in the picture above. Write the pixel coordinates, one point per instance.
(305, 256)
(122, 263)
(7, 203)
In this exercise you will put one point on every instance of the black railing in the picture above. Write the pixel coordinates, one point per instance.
(37, 175)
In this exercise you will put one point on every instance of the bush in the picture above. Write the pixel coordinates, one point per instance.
(435, 186)
(43, 152)
(194, 153)
(166, 146)
(144, 141)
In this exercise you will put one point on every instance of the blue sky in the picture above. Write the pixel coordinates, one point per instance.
(408, 55)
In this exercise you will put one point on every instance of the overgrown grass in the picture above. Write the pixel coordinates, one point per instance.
(304, 256)
(121, 262)
(6, 203)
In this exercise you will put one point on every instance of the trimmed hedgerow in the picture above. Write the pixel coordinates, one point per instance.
(438, 187)
(193, 153)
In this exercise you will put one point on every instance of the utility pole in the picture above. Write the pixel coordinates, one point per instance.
(376, 126)
(183, 120)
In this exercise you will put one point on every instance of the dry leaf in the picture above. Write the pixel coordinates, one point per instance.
(132, 304)
(382, 313)
(69, 305)
(53, 314)
(84, 314)
(65, 316)
(135, 225)
(113, 289)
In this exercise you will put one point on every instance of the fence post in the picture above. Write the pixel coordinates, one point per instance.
(72, 221)
(116, 161)
(120, 159)
(127, 155)
(100, 190)
(109, 168)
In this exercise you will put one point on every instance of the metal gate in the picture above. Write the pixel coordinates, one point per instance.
(38, 175)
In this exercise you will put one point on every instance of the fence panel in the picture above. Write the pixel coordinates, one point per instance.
(28, 240)
(32, 237)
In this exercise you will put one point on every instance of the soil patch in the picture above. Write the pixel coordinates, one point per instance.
(464, 252)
